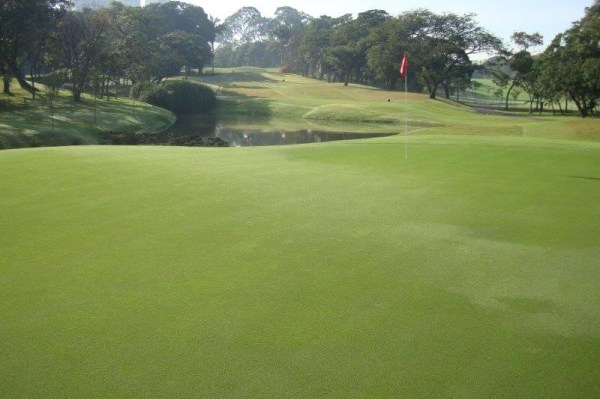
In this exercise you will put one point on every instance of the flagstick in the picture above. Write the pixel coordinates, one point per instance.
(406, 116)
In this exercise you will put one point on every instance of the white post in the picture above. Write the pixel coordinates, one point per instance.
(406, 116)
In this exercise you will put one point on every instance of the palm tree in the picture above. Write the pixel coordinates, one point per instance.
(217, 30)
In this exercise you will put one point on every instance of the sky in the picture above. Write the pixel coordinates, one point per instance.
(500, 17)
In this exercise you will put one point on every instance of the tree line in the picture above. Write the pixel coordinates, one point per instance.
(93, 48)
(96, 47)
(368, 49)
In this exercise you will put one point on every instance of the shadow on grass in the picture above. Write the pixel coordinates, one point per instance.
(47, 138)
(29, 123)
(585, 178)
(237, 77)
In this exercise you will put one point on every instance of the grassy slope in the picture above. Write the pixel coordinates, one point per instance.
(300, 103)
(329, 270)
(26, 122)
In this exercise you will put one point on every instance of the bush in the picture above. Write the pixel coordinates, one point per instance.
(178, 96)
(157, 95)
(141, 87)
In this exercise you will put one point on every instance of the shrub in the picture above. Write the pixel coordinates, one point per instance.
(139, 88)
(159, 96)
(178, 96)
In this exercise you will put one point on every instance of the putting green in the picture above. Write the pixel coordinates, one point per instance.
(468, 270)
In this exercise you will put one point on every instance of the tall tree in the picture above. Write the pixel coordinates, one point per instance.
(442, 47)
(246, 25)
(25, 27)
(179, 16)
(218, 28)
(515, 68)
(316, 40)
(394, 36)
(79, 44)
(572, 61)
(286, 31)
(351, 42)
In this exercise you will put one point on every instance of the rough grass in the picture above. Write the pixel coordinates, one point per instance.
(467, 270)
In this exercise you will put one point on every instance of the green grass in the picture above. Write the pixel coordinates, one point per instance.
(254, 97)
(341, 270)
(26, 122)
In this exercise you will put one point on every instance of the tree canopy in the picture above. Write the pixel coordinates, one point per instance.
(367, 48)
(108, 43)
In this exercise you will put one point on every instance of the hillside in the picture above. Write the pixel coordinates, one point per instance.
(257, 97)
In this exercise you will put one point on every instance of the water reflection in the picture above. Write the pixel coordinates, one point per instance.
(201, 130)
(244, 138)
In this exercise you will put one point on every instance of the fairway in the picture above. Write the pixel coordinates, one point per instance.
(469, 269)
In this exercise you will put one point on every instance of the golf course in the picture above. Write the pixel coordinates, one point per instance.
(457, 258)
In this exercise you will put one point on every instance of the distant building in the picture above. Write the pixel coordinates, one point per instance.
(79, 4)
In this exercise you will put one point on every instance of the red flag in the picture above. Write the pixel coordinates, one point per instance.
(404, 66)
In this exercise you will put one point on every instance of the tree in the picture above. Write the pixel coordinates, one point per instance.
(522, 63)
(179, 16)
(442, 45)
(157, 41)
(6, 78)
(183, 49)
(352, 40)
(520, 71)
(286, 31)
(571, 63)
(383, 58)
(131, 39)
(245, 26)
(53, 81)
(25, 27)
(78, 45)
(315, 42)
(218, 29)
(525, 40)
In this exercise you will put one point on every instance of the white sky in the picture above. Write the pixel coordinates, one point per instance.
(500, 17)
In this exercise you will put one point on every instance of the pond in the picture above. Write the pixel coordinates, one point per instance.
(194, 130)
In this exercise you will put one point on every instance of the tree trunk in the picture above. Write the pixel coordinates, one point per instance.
(32, 82)
(507, 94)
(581, 107)
(446, 90)
(431, 88)
(346, 79)
(6, 83)
(433, 91)
(16, 72)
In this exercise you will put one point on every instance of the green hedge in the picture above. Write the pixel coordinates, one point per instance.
(178, 96)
